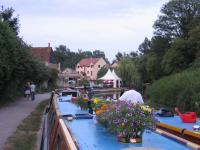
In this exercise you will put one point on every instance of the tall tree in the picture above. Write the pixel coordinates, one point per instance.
(6, 15)
(176, 18)
(61, 53)
(98, 53)
(102, 72)
(145, 46)
(119, 56)
(128, 71)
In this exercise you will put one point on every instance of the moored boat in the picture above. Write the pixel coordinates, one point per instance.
(69, 127)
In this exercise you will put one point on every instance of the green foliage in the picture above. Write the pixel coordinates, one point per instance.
(16, 64)
(82, 103)
(102, 72)
(181, 89)
(6, 15)
(69, 59)
(179, 56)
(176, 18)
(145, 46)
(129, 73)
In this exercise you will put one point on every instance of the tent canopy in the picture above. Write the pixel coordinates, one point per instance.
(110, 76)
(115, 75)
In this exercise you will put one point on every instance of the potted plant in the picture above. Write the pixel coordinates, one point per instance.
(127, 120)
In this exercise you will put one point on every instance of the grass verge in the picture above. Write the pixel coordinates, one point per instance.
(25, 136)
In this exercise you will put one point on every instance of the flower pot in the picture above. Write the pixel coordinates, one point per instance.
(136, 140)
(123, 139)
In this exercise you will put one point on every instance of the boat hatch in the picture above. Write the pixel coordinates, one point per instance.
(74, 94)
(77, 116)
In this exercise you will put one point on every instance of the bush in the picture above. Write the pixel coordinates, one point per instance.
(181, 90)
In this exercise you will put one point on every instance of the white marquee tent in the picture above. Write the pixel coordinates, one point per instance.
(112, 76)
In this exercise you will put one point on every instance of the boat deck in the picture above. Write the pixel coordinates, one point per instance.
(90, 135)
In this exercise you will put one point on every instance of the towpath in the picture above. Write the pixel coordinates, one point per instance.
(14, 113)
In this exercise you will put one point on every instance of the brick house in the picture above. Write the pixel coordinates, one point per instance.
(46, 55)
(89, 67)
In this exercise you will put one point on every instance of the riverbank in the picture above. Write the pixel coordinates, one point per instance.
(13, 114)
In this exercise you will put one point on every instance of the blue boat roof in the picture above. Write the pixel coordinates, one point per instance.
(67, 108)
(176, 121)
(90, 135)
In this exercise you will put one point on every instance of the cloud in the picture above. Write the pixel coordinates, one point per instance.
(109, 25)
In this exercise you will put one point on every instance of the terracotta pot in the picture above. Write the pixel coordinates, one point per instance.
(123, 139)
(135, 140)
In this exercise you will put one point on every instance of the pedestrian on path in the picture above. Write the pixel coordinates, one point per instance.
(27, 90)
(32, 86)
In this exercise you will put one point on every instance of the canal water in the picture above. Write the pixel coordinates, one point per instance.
(108, 95)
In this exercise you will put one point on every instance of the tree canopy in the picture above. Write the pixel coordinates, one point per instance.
(17, 66)
(176, 18)
(69, 59)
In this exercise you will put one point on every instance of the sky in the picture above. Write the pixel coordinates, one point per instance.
(108, 25)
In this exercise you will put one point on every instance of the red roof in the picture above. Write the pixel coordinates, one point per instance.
(88, 61)
(42, 53)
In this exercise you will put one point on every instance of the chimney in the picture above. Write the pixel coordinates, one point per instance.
(49, 45)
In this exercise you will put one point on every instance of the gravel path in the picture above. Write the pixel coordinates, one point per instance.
(13, 114)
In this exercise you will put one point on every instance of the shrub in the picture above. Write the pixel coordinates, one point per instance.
(181, 90)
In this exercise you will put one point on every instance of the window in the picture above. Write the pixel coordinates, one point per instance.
(87, 72)
(91, 66)
(78, 72)
(78, 66)
(91, 73)
(99, 66)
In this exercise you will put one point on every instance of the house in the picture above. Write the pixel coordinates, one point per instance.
(115, 64)
(66, 76)
(89, 67)
(46, 55)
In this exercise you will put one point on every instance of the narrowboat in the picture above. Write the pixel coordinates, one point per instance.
(67, 127)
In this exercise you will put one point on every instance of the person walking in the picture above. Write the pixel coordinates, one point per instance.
(132, 95)
(90, 96)
(27, 90)
(32, 86)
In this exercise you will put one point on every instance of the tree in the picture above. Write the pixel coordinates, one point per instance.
(179, 56)
(128, 71)
(145, 46)
(6, 15)
(17, 66)
(61, 53)
(133, 55)
(102, 72)
(176, 18)
(98, 53)
(118, 56)
(87, 54)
